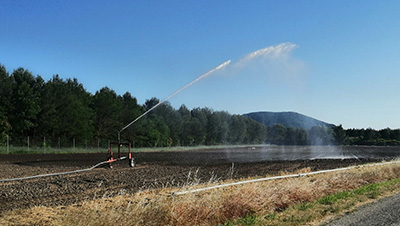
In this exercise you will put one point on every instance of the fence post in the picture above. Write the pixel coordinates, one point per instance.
(98, 144)
(8, 144)
(44, 145)
(28, 143)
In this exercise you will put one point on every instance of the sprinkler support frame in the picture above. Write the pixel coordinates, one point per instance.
(111, 159)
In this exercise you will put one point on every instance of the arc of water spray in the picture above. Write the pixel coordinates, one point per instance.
(178, 91)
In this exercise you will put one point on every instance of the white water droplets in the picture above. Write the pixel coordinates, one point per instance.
(219, 67)
(272, 51)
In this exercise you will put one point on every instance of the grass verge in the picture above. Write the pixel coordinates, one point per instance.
(49, 150)
(324, 209)
(294, 201)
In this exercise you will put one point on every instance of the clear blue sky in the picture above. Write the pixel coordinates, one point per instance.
(344, 68)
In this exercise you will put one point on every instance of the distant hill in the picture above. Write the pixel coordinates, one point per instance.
(287, 119)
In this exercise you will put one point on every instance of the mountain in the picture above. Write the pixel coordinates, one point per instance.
(287, 119)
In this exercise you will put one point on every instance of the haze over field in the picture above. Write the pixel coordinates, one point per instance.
(335, 61)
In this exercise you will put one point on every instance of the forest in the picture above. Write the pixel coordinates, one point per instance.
(52, 113)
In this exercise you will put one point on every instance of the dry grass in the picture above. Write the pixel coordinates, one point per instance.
(327, 208)
(205, 208)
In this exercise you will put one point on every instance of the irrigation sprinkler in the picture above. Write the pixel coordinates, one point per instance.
(119, 144)
(111, 158)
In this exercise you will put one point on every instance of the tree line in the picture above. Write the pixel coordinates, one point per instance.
(59, 110)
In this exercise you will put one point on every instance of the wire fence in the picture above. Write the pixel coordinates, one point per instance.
(28, 144)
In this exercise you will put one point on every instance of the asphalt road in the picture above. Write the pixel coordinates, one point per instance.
(383, 212)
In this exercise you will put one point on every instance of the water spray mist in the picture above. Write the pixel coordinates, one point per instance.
(176, 92)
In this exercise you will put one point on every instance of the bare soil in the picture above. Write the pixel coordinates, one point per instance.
(153, 170)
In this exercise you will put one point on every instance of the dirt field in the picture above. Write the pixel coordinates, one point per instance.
(154, 170)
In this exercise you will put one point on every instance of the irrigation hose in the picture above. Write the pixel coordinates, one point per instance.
(279, 177)
(58, 174)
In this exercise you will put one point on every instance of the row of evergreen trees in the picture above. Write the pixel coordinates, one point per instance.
(60, 110)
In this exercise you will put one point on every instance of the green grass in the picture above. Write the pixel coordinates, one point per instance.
(248, 220)
(25, 150)
(49, 150)
(331, 199)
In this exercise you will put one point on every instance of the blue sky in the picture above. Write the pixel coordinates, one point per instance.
(344, 67)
